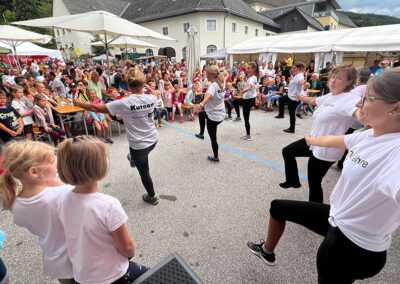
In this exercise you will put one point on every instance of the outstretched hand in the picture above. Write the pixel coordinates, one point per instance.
(197, 108)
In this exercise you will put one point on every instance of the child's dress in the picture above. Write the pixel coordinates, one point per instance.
(96, 116)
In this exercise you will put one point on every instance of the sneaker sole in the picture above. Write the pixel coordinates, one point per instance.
(263, 260)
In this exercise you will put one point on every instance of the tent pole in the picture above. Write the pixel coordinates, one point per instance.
(16, 57)
(108, 63)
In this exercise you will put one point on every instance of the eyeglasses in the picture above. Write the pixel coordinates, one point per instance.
(370, 98)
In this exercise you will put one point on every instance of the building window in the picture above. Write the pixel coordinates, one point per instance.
(234, 27)
(211, 48)
(211, 25)
(58, 32)
(134, 50)
(246, 30)
(186, 26)
(149, 52)
(164, 31)
(63, 32)
(294, 19)
(184, 53)
(256, 32)
(267, 34)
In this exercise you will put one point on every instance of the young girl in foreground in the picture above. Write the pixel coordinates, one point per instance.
(98, 242)
(35, 206)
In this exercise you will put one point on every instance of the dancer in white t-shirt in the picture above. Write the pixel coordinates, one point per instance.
(137, 113)
(333, 116)
(214, 108)
(35, 206)
(248, 100)
(365, 204)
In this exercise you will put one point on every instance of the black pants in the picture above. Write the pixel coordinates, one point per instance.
(339, 260)
(141, 160)
(247, 105)
(229, 106)
(211, 129)
(292, 105)
(316, 169)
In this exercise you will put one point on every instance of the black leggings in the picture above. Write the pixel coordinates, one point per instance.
(316, 169)
(339, 260)
(211, 129)
(247, 105)
(292, 105)
(141, 160)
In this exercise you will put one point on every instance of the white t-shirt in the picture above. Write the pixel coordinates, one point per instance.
(22, 108)
(160, 103)
(263, 70)
(295, 86)
(88, 220)
(270, 72)
(57, 83)
(252, 93)
(215, 108)
(39, 215)
(333, 116)
(137, 113)
(365, 203)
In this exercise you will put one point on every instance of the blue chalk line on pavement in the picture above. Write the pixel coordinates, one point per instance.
(237, 152)
(278, 124)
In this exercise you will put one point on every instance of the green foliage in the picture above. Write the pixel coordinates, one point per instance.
(366, 20)
(20, 10)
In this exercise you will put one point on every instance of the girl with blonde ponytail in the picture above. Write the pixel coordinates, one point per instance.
(26, 188)
(214, 108)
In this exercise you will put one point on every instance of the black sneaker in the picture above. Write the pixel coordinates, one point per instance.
(108, 140)
(237, 119)
(213, 159)
(268, 259)
(288, 185)
(288, 130)
(199, 136)
(152, 200)
(279, 116)
(130, 161)
(299, 115)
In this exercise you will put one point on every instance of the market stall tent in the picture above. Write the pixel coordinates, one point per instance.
(367, 39)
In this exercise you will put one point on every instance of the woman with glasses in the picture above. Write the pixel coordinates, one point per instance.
(365, 204)
(333, 116)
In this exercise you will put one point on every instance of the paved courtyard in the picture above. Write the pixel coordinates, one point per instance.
(207, 212)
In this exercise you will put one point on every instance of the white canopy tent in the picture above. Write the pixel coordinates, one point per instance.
(14, 37)
(31, 49)
(333, 43)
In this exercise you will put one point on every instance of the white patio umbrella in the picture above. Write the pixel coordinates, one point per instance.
(192, 51)
(97, 23)
(13, 37)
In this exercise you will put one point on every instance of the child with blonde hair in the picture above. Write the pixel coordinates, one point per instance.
(98, 119)
(98, 242)
(25, 112)
(33, 165)
(189, 99)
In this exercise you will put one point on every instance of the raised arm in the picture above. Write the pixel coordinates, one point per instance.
(327, 141)
(308, 100)
(91, 107)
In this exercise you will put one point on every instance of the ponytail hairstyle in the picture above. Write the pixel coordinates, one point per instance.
(14, 89)
(213, 71)
(136, 79)
(82, 160)
(18, 158)
(254, 65)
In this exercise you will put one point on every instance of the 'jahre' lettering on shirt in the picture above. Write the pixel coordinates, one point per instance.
(139, 107)
(358, 160)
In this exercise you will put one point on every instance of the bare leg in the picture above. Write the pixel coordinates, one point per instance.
(275, 231)
(98, 128)
(106, 128)
(29, 136)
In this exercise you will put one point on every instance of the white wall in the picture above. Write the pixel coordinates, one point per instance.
(78, 39)
(258, 6)
(206, 38)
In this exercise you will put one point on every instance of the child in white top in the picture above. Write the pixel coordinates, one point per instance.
(17, 92)
(304, 93)
(99, 245)
(35, 206)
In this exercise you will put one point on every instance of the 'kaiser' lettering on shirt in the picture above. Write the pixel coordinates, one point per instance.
(142, 106)
(358, 160)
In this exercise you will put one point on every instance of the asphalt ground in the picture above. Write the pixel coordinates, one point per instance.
(208, 211)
